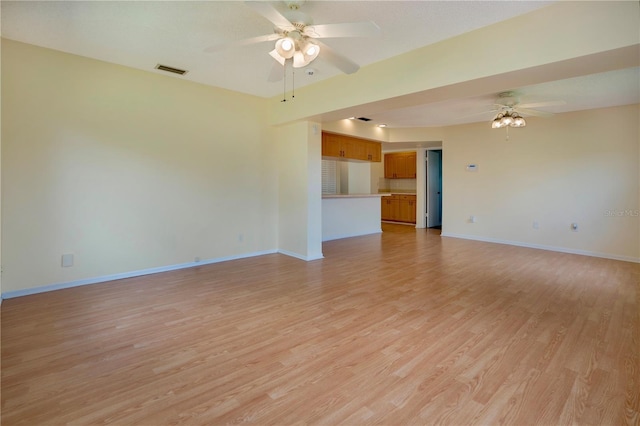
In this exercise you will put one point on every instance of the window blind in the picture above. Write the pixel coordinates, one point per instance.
(329, 177)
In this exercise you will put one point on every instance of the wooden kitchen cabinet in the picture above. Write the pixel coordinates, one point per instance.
(398, 208)
(389, 207)
(400, 165)
(331, 145)
(350, 148)
(374, 152)
(407, 208)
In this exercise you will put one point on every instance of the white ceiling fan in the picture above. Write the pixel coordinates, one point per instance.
(297, 40)
(509, 111)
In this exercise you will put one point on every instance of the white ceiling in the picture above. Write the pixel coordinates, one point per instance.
(141, 34)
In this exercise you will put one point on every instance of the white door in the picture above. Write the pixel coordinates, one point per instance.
(434, 188)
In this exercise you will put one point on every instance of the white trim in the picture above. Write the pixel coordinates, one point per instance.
(299, 256)
(544, 247)
(341, 236)
(113, 277)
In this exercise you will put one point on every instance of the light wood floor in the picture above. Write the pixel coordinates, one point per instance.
(402, 328)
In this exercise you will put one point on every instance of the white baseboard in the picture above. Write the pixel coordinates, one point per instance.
(301, 257)
(338, 237)
(131, 274)
(544, 247)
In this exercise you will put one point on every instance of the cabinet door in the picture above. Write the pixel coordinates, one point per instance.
(354, 149)
(331, 145)
(412, 209)
(400, 165)
(406, 208)
(385, 211)
(374, 152)
(403, 209)
(394, 208)
(405, 165)
(410, 164)
(389, 166)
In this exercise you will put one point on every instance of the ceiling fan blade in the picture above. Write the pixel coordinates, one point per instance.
(274, 55)
(533, 112)
(343, 64)
(271, 14)
(541, 104)
(276, 73)
(354, 29)
(245, 42)
(488, 112)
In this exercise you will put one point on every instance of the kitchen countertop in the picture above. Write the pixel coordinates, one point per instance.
(354, 195)
(397, 193)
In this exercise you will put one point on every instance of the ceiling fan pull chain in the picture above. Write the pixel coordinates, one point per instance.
(284, 83)
(293, 83)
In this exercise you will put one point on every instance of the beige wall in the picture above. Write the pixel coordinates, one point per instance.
(299, 148)
(577, 167)
(357, 128)
(126, 169)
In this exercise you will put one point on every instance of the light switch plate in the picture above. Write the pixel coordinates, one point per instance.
(67, 260)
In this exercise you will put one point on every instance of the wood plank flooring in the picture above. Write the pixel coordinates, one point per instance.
(400, 328)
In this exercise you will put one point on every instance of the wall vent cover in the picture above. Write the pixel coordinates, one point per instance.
(171, 69)
(364, 119)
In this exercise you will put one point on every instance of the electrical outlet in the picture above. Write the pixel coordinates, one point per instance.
(574, 227)
(473, 219)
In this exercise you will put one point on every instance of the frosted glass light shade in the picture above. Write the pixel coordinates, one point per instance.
(286, 47)
(519, 122)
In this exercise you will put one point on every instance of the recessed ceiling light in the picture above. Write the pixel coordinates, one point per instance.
(351, 118)
(382, 125)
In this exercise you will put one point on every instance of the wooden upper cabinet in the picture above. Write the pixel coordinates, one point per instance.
(374, 152)
(400, 165)
(331, 146)
(350, 148)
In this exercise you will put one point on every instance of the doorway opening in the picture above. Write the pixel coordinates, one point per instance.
(434, 189)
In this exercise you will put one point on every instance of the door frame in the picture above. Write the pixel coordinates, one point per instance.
(427, 193)
(421, 184)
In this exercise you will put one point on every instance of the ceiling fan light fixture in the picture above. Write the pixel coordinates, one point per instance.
(519, 122)
(299, 60)
(497, 122)
(310, 50)
(286, 47)
(507, 120)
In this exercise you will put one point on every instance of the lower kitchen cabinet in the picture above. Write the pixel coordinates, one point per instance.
(398, 208)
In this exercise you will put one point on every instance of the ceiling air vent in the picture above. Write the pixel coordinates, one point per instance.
(364, 119)
(171, 69)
